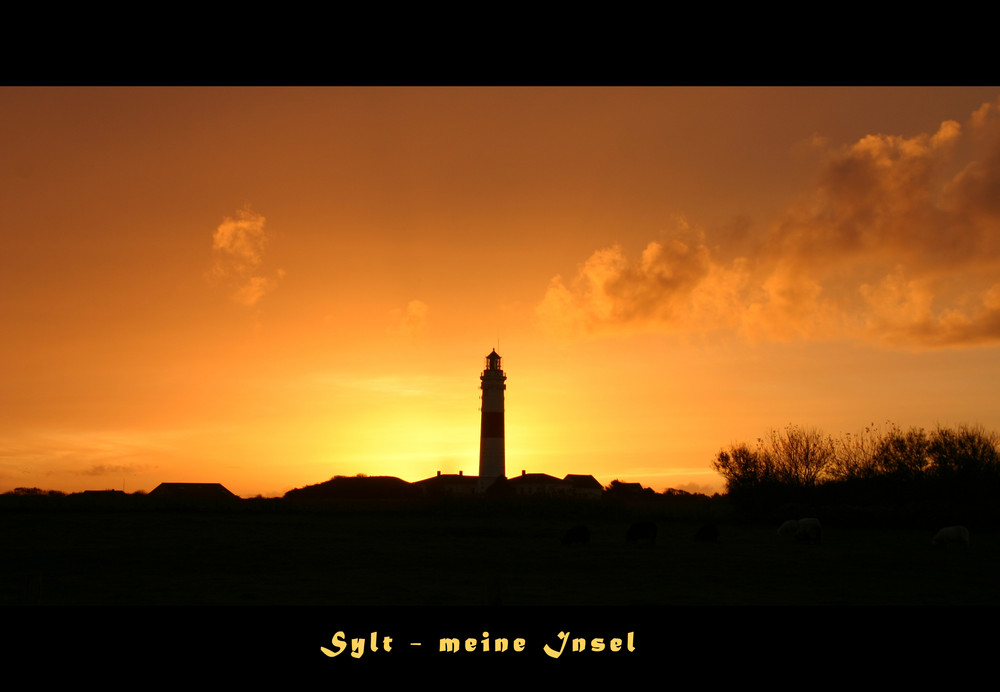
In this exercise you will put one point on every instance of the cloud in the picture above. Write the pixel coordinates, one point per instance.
(107, 469)
(241, 241)
(96, 453)
(412, 321)
(673, 283)
(255, 288)
(897, 240)
(238, 246)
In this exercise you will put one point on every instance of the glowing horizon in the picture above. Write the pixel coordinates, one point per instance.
(266, 288)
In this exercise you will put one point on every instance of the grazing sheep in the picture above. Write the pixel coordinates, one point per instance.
(803, 530)
(709, 533)
(951, 534)
(641, 531)
(788, 528)
(809, 530)
(577, 534)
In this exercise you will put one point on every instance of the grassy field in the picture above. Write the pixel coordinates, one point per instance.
(471, 557)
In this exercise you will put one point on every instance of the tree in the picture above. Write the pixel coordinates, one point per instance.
(854, 454)
(965, 462)
(901, 456)
(801, 456)
(744, 469)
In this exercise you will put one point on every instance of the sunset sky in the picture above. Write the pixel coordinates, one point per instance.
(267, 287)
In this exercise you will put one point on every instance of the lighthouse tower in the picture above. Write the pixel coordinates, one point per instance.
(491, 447)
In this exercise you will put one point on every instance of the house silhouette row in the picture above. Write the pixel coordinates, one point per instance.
(573, 485)
(375, 487)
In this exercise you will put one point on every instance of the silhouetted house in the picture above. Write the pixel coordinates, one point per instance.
(538, 484)
(620, 487)
(500, 487)
(449, 484)
(101, 498)
(356, 488)
(584, 486)
(204, 492)
(191, 496)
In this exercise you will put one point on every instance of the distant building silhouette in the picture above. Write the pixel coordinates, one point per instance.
(573, 485)
(584, 485)
(192, 491)
(621, 487)
(491, 438)
(356, 488)
(539, 484)
(449, 484)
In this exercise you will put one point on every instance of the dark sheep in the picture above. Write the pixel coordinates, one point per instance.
(577, 534)
(641, 531)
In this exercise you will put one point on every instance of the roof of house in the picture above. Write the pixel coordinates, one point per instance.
(626, 487)
(536, 478)
(355, 487)
(583, 482)
(194, 491)
(449, 479)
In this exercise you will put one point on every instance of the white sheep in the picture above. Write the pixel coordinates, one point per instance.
(808, 529)
(951, 534)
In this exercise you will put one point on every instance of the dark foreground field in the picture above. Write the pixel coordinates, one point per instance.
(467, 556)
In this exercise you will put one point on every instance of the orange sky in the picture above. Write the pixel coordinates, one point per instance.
(268, 287)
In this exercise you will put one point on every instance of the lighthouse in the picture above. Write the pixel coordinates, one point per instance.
(491, 446)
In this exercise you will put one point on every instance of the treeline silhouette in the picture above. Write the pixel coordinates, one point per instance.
(884, 476)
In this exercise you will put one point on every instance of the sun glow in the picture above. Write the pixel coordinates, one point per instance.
(320, 304)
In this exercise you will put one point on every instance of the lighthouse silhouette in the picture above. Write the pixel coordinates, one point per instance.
(491, 444)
